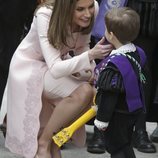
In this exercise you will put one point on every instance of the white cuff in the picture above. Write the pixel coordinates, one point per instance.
(100, 124)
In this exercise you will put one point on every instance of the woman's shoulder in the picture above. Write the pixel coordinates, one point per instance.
(44, 10)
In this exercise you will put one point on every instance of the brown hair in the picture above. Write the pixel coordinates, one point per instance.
(124, 22)
(61, 22)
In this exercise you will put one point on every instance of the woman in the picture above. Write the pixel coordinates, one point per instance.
(47, 88)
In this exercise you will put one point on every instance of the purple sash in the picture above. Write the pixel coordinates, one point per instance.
(98, 30)
(132, 86)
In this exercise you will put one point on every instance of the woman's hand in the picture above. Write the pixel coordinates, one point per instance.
(83, 75)
(99, 51)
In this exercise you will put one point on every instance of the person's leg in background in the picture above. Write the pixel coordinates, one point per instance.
(152, 115)
(8, 43)
(146, 40)
(154, 135)
(126, 152)
(3, 76)
(141, 139)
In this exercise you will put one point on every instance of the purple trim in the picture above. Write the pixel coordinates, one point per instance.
(130, 82)
(133, 88)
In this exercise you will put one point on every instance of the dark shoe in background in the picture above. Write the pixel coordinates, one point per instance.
(96, 145)
(3, 129)
(154, 135)
(142, 143)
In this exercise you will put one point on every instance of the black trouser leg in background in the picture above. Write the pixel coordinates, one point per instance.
(126, 152)
(9, 40)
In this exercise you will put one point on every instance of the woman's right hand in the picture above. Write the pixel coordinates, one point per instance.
(99, 51)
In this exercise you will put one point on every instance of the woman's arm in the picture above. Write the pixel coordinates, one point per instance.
(52, 56)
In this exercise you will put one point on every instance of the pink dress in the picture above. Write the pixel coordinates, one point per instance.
(35, 57)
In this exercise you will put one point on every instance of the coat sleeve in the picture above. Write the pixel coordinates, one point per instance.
(109, 87)
(57, 66)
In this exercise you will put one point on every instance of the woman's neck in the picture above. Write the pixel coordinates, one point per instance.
(76, 28)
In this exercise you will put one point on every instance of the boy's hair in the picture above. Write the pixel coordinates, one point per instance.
(124, 22)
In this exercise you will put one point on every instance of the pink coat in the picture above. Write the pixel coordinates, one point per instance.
(33, 57)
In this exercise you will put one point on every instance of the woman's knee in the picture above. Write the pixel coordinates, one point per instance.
(87, 90)
(84, 93)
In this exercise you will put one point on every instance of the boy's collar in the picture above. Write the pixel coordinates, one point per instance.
(130, 47)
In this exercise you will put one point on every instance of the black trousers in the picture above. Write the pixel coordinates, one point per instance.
(148, 40)
(118, 134)
(9, 40)
(126, 152)
(150, 47)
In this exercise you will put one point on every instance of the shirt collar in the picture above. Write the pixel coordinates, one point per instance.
(130, 47)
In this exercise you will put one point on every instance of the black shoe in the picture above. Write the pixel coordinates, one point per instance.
(142, 143)
(3, 129)
(96, 145)
(154, 135)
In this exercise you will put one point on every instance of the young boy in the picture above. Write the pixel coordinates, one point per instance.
(120, 83)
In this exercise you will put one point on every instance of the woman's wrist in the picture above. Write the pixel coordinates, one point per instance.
(90, 55)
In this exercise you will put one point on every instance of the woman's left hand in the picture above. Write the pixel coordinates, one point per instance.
(84, 75)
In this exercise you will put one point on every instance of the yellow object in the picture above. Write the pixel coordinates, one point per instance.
(65, 134)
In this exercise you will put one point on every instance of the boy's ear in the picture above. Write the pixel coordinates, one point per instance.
(111, 35)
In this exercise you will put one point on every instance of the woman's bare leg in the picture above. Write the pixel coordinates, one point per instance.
(64, 113)
(55, 151)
